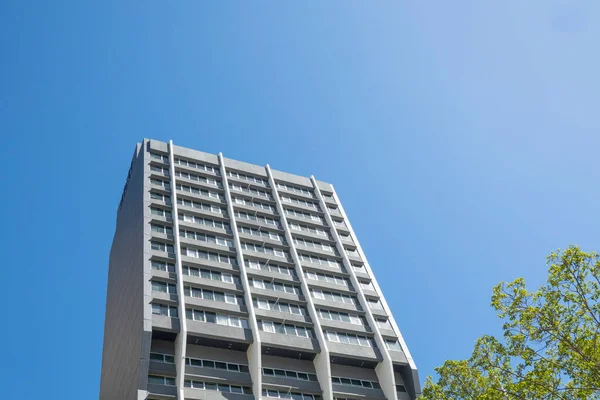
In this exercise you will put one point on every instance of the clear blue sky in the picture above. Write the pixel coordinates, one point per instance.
(462, 137)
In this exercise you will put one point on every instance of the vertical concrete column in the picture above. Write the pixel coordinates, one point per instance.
(321, 361)
(385, 369)
(413, 367)
(181, 341)
(254, 350)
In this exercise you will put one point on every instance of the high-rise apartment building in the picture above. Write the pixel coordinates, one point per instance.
(229, 280)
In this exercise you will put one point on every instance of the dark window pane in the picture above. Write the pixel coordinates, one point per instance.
(195, 362)
(220, 365)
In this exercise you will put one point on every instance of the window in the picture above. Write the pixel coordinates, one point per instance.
(367, 285)
(221, 387)
(300, 202)
(217, 257)
(208, 274)
(160, 157)
(317, 276)
(198, 178)
(159, 170)
(374, 304)
(359, 268)
(159, 246)
(167, 311)
(197, 165)
(264, 249)
(316, 245)
(205, 238)
(274, 286)
(356, 382)
(161, 212)
(309, 229)
(164, 287)
(327, 262)
(160, 183)
(270, 305)
(332, 296)
(353, 253)
(346, 237)
(383, 323)
(203, 221)
(161, 380)
(393, 345)
(339, 223)
(196, 362)
(248, 190)
(300, 214)
(284, 329)
(211, 295)
(260, 233)
(400, 388)
(248, 178)
(200, 206)
(163, 358)
(160, 196)
(295, 189)
(256, 218)
(255, 204)
(268, 266)
(302, 376)
(289, 395)
(165, 230)
(349, 338)
(161, 266)
(341, 316)
(214, 318)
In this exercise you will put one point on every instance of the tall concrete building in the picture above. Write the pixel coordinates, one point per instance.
(229, 280)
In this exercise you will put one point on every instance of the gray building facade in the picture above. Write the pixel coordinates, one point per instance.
(229, 280)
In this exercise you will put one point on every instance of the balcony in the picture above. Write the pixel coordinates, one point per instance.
(217, 306)
(216, 331)
(378, 312)
(290, 342)
(212, 284)
(346, 326)
(254, 210)
(166, 298)
(272, 294)
(328, 286)
(199, 394)
(355, 391)
(335, 212)
(203, 262)
(398, 357)
(219, 375)
(204, 228)
(161, 368)
(281, 316)
(269, 275)
(354, 351)
(165, 324)
(291, 384)
(208, 246)
(354, 257)
(329, 304)
(162, 392)
(317, 251)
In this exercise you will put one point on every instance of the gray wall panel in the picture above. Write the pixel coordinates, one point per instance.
(124, 319)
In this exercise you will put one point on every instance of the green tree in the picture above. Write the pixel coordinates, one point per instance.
(551, 346)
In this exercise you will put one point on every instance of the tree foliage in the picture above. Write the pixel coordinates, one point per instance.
(550, 348)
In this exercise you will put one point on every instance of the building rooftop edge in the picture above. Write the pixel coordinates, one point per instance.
(158, 144)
